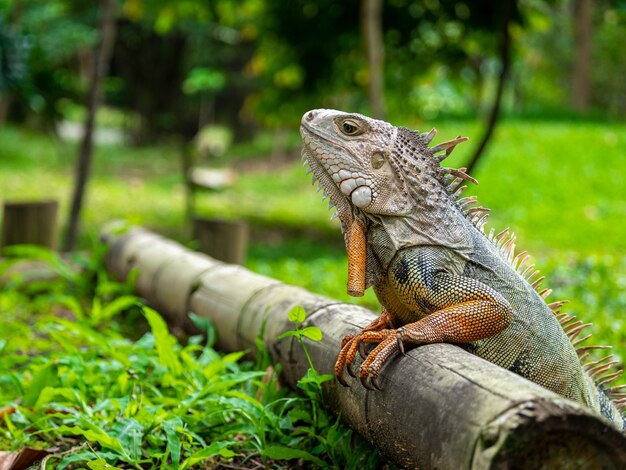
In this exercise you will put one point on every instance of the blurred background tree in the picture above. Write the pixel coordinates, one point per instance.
(253, 66)
(261, 63)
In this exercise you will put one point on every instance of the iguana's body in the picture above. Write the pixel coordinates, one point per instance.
(437, 275)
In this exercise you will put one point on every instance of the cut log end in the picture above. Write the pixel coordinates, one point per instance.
(546, 434)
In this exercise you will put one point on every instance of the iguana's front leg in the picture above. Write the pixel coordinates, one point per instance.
(453, 308)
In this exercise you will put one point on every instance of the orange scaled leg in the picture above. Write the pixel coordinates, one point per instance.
(462, 323)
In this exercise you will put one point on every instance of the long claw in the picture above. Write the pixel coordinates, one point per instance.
(341, 380)
(400, 344)
(376, 383)
(362, 351)
(350, 370)
(365, 382)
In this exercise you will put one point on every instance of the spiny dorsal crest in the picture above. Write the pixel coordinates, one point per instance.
(451, 178)
(601, 371)
(435, 155)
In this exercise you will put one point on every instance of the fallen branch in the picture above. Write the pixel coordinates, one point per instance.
(441, 407)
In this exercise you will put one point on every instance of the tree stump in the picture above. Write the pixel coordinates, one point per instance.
(225, 240)
(32, 222)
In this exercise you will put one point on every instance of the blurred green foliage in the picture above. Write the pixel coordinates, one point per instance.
(558, 184)
(266, 62)
(544, 65)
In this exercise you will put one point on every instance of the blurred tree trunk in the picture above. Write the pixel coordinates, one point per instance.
(6, 98)
(372, 33)
(505, 65)
(5, 103)
(581, 75)
(102, 56)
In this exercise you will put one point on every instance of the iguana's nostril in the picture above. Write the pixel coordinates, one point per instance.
(310, 116)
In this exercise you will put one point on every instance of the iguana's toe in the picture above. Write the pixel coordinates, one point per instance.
(377, 384)
(355, 344)
(371, 367)
(346, 339)
(365, 381)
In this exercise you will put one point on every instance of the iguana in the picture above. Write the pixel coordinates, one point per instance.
(438, 275)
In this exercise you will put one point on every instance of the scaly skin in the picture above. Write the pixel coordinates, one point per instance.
(437, 275)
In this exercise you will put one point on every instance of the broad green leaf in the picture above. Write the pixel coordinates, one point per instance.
(205, 325)
(297, 314)
(48, 393)
(118, 305)
(101, 464)
(325, 378)
(94, 434)
(46, 376)
(312, 381)
(288, 453)
(217, 448)
(233, 357)
(312, 332)
(298, 414)
(245, 398)
(313, 376)
(164, 341)
(129, 433)
(84, 456)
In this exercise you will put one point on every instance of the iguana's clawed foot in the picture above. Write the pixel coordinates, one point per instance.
(374, 361)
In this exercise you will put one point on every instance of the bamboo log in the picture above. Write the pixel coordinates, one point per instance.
(32, 223)
(440, 408)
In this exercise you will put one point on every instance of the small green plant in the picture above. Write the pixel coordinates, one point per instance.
(312, 381)
(345, 449)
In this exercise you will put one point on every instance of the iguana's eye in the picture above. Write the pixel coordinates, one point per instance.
(378, 160)
(350, 127)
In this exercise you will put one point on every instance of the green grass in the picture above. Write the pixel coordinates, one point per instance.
(72, 382)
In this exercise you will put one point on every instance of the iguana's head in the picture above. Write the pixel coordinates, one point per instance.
(372, 167)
